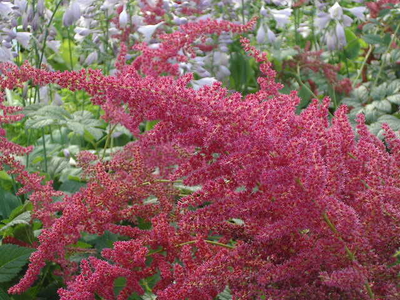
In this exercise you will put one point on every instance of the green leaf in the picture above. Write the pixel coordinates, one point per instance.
(30, 110)
(65, 52)
(392, 121)
(27, 206)
(53, 112)
(39, 122)
(353, 45)
(37, 160)
(71, 186)
(373, 39)
(394, 99)
(23, 218)
(379, 92)
(383, 105)
(4, 176)
(386, 39)
(8, 202)
(47, 115)
(393, 87)
(12, 259)
(76, 127)
(84, 124)
(4, 295)
(225, 295)
(150, 125)
(88, 136)
(361, 93)
(57, 165)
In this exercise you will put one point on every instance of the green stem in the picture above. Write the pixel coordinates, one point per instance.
(44, 150)
(46, 32)
(14, 184)
(362, 65)
(208, 242)
(194, 242)
(243, 18)
(70, 48)
(27, 143)
(384, 54)
(300, 82)
(349, 253)
(296, 25)
(108, 140)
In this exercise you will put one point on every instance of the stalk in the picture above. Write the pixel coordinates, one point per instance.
(383, 62)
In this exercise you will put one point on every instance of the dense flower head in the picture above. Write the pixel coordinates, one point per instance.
(289, 206)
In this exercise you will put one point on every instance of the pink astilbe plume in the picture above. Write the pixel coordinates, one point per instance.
(288, 207)
(154, 62)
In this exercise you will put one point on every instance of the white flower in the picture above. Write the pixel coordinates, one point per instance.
(261, 35)
(322, 20)
(304, 30)
(54, 45)
(5, 8)
(72, 14)
(123, 18)
(148, 31)
(92, 57)
(220, 58)
(137, 20)
(358, 12)
(281, 16)
(23, 38)
(336, 12)
(340, 35)
(197, 84)
(224, 71)
(271, 35)
(5, 54)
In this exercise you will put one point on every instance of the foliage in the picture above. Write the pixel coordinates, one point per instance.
(147, 153)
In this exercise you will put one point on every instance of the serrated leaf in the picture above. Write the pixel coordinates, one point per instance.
(353, 45)
(57, 165)
(4, 295)
(393, 87)
(361, 93)
(4, 175)
(373, 39)
(225, 295)
(371, 114)
(27, 206)
(23, 218)
(383, 105)
(392, 121)
(37, 160)
(71, 186)
(8, 202)
(32, 109)
(53, 112)
(12, 259)
(394, 99)
(379, 92)
(85, 124)
(76, 127)
(38, 123)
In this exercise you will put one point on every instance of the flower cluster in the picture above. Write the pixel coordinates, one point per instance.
(291, 206)
(308, 60)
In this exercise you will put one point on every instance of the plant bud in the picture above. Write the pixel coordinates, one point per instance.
(261, 34)
(92, 57)
(123, 18)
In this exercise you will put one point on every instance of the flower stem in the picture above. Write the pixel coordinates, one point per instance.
(350, 254)
(193, 242)
(383, 61)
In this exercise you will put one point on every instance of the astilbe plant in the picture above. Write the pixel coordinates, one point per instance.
(290, 206)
